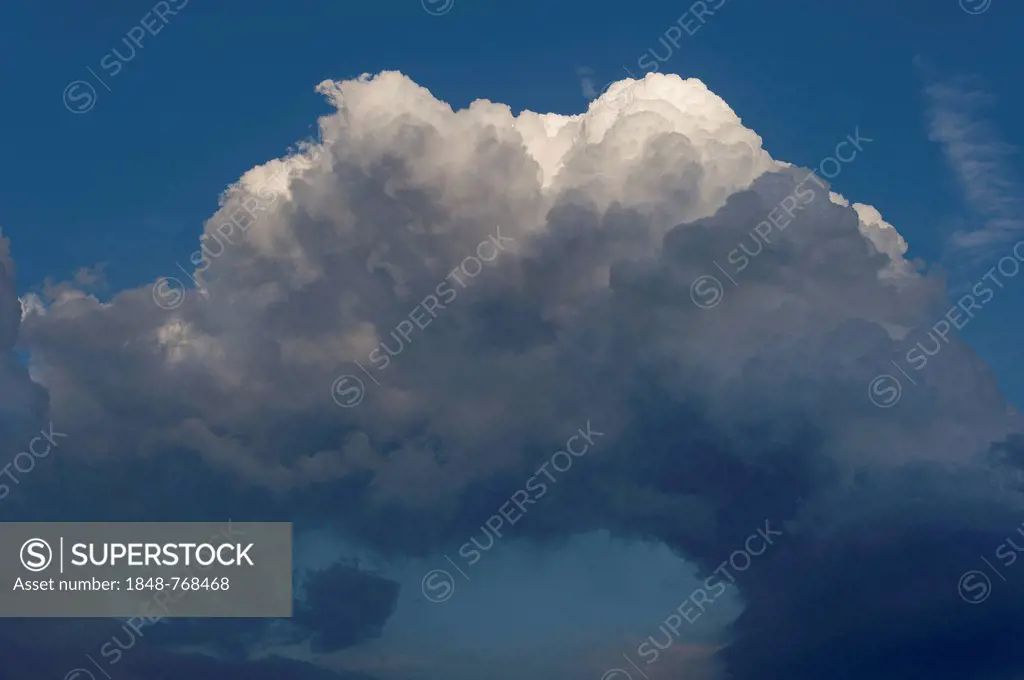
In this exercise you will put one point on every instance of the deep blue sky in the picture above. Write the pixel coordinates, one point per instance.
(228, 85)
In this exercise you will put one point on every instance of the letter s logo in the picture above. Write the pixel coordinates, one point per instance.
(438, 580)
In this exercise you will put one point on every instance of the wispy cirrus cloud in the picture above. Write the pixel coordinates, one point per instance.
(981, 160)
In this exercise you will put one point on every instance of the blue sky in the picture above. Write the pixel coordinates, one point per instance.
(224, 87)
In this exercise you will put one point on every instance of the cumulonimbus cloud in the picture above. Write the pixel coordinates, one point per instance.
(714, 418)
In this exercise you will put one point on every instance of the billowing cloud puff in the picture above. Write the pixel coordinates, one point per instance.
(395, 327)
